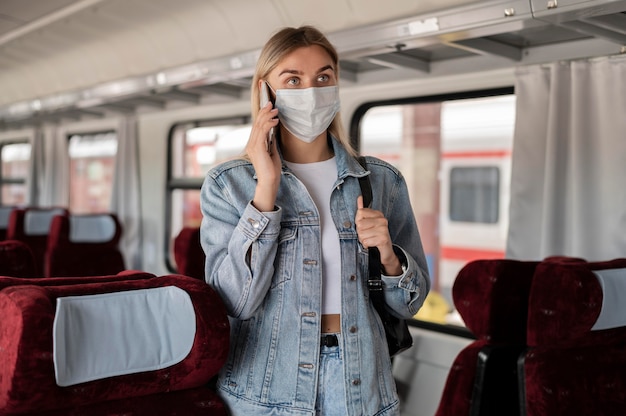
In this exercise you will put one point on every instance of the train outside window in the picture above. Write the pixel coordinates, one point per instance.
(92, 164)
(455, 156)
(15, 159)
(475, 194)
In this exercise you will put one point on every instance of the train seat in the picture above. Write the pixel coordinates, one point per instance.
(576, 357)
(42, 368)
(188, 253)
(16, 259)
(84, 245)
(7, 281)
(198, 401)
(31, 225)
(5, 213)
(492, 298)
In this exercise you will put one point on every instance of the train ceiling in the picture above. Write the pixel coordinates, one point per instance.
(78, 59)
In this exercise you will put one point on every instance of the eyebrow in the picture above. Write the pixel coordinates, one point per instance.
(296, 72)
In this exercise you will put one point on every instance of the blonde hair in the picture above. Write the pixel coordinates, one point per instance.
(282, 44)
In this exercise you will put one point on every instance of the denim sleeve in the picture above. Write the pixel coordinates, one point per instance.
(239, 242)
(405, 294)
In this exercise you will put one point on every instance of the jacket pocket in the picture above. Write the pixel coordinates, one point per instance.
(285, 256)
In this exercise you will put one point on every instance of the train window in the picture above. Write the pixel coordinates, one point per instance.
(15, 159)
(475, 194)
(194, 148)
(454, 152)
(92, 163)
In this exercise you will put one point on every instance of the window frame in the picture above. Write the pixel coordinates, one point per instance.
(185, 184)
(13, 180)
(355, 137)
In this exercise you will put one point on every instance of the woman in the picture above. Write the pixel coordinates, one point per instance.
(286, 235)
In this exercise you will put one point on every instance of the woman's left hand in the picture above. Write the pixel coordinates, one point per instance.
(373, 231)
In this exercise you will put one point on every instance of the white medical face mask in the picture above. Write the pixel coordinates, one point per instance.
(308, 112)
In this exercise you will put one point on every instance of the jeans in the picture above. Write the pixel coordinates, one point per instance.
(331, 395)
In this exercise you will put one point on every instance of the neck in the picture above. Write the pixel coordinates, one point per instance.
(296, 151)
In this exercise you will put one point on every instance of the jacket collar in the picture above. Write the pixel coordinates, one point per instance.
(347, 165)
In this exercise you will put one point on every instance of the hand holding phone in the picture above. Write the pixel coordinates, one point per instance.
(264, 99)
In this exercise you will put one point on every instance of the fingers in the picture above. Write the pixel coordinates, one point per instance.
(371, 226)
(267, 117)
(359, 202)
(265, 121)
(364, 214)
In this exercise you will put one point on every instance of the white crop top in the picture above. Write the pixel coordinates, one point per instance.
(319, 178)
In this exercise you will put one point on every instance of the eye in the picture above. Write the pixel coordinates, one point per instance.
(323, 78)
(293, 82)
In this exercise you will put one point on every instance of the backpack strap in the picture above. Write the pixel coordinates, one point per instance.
(366, 186)
(374, 284)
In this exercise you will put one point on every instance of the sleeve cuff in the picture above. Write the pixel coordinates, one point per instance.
(254, 223)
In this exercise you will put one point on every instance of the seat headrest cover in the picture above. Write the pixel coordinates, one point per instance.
(5, 213)
(613, 312)
(37, 222)
(112, 334)
(92, 229)
(492, 298)
(576, 302)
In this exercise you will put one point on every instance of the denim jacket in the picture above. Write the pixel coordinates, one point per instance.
(267, 268)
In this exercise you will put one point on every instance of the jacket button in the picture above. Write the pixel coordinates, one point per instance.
(356, 382)
(352, 329)
(353, 277)
(347, 224)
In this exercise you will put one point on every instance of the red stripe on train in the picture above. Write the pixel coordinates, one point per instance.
(470, 154)
(469, 254)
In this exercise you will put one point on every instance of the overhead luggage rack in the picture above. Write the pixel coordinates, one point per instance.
(459, 38)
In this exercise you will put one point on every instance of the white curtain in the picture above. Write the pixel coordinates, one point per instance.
(35, 176)
(50, 176)
(569, 161)
(125, 201)
(54, 162)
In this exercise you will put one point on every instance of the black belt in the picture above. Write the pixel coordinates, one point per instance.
(329, 340)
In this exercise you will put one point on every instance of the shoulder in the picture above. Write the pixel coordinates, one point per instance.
(378, 166)
(230, 167)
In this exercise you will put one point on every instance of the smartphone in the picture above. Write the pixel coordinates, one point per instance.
(265, 94)
(264, 98)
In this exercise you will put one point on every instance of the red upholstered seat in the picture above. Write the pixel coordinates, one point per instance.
(32, 225)
(6, 281)
(492, 298)
(16, 259)
(84, 245)
(551, 339)
(188, 253)
(199, 401)
(27, 365)
(576, 360)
